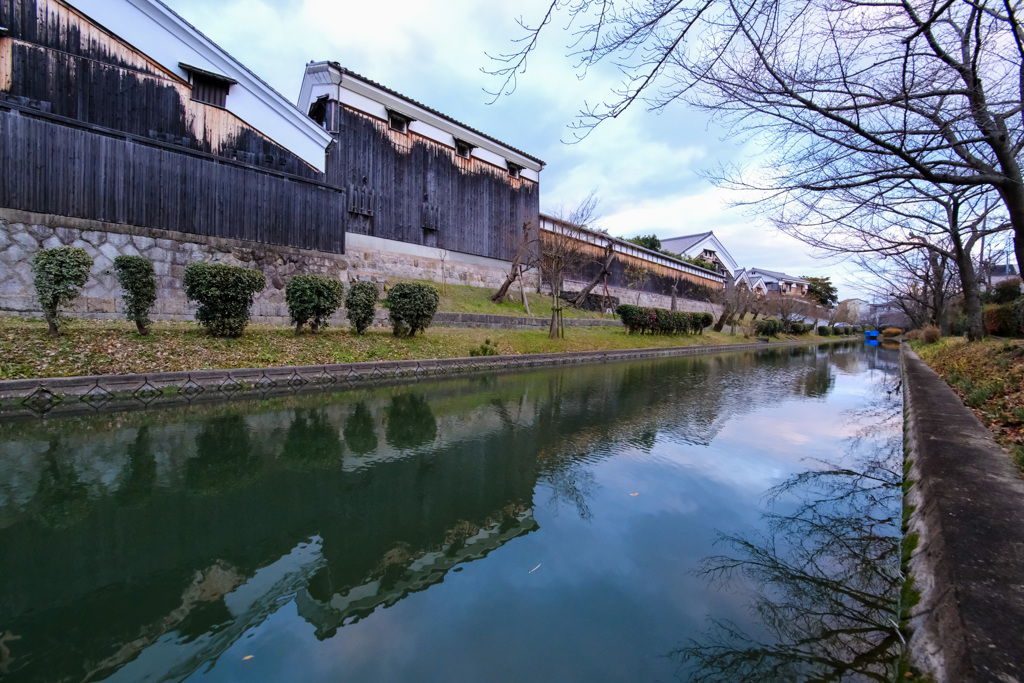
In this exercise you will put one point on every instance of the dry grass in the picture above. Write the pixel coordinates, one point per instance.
(987, 375)
(93, 347)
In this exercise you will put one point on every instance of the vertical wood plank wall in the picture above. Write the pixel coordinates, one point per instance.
(60, 168)
(405, 187)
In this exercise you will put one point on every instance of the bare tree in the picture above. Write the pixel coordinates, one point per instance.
(844, 94)
(562, 250)
(788, 309)
(735, 300)
(912, 282)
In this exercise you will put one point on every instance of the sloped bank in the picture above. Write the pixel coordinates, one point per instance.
(34, 397)
(967, 514)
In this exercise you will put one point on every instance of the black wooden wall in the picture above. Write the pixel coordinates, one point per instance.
(68, 169)
(58, 64)
(405, 187)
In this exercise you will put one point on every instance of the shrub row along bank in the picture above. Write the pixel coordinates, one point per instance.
(224, 294)
(659, 321)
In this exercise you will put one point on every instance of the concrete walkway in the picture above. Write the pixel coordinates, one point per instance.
(969, 564)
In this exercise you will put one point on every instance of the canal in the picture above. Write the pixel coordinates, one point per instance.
(725, 517)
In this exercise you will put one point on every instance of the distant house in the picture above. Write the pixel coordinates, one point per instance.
(775, 281)
(1000, 273)
(704, 246)
(752, 281)
(418, 180)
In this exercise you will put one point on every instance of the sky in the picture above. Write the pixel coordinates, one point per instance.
(645, 167)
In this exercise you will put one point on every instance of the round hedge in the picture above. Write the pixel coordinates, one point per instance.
(59, 273)
(224, 294)
(361, 304)
(138, 281)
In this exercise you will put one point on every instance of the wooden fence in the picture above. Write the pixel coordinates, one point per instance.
(50, 164)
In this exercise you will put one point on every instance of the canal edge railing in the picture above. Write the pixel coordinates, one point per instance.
(89, 393)
(966, 537)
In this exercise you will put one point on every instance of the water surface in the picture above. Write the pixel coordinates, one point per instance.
(728, 517)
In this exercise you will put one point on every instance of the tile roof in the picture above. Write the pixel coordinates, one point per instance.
(348, 72)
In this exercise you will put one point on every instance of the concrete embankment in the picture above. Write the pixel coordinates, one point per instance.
(968, 515)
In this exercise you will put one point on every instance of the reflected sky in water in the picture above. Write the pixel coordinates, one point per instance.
(544, 526)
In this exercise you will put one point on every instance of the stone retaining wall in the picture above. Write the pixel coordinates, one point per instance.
(22, 234)
(968, 516)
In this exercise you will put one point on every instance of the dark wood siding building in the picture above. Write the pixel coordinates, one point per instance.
(94, 127)
(416, 176)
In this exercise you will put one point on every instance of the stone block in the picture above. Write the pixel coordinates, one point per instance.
(110, 250)
(14, 255)
(142, 243)
(52, 241)
(169, 245)
(101, 305)
(67, 235)
(39, 232)
(118, 240)
(162, 268)
(82, 244)
(5, 237)
(25, 240)
(94, 237)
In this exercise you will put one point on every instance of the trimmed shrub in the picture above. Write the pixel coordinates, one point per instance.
(768, 327)
(892, 332)
(914, 335)
(412, 307)
(797, 328)
(999, 320)
(312, 299)
(361, 304)
(630, 317)
(224, 294)
(930, 334)
(59, 273)
(706, 320)
(824, 331)
(137, 279)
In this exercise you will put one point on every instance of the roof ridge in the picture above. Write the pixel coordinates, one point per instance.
(345, 70)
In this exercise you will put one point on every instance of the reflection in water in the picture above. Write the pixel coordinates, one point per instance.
(825, 572)
(335, 507)
(410, 422)
(359, 434)
(312, 440)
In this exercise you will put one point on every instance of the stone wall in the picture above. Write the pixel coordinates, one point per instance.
(22, 234)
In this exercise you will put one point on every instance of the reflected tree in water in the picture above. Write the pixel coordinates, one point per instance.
(61, 497)
(224, 456)
(139, 476)
(359, 430)
(825, 576)
(410, 422)
(312, 440)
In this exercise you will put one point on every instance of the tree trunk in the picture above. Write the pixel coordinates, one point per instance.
(553, 328)
(51, 320)
(722, 319)
(513, 273)
(522, 290)
(969, 284)
(141, 327)
(609, 256)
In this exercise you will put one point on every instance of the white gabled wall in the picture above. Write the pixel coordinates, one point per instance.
(163, 36)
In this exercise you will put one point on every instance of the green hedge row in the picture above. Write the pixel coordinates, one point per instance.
(659, 321)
